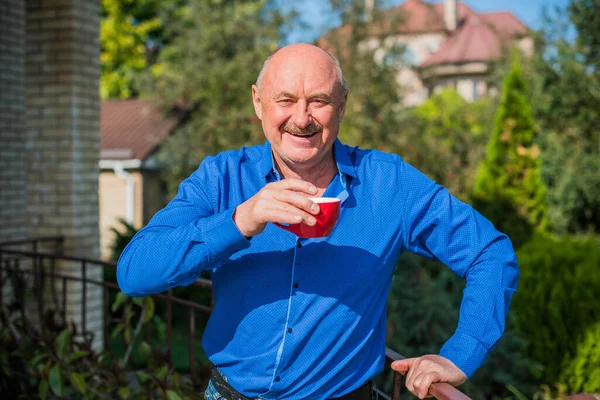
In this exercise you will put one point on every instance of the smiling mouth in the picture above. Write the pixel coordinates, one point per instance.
(303, 135)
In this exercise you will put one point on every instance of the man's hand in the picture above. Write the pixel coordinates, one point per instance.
(284, 201)
(425, 370)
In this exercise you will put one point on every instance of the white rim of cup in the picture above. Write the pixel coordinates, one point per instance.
(324, 199)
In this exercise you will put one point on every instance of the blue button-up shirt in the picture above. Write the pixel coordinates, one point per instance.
(305, 318)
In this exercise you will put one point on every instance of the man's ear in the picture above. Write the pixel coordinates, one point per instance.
(256, 102)
(343, 105)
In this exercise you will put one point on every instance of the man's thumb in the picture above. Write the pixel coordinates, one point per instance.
(402, 365)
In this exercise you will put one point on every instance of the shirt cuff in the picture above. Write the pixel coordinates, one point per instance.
(222, 237)
(466, 352)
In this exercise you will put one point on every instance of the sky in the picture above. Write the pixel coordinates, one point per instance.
(317, 18)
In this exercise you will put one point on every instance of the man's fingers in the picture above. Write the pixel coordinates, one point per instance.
(285, 217)
(424, 381)
(299, 214)
(296, 184)
(412, 373)
(296, 200)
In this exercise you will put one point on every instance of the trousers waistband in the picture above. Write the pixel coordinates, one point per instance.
(365, 392)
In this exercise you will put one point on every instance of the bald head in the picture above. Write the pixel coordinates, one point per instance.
(302, 53)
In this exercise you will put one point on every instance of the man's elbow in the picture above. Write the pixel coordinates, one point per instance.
(511, 271)
(127, 283)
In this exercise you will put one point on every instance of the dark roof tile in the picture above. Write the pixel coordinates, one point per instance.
(131, 129)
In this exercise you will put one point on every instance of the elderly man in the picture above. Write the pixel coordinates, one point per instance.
(305, 318)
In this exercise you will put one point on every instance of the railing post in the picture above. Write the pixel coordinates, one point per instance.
(397, 386)
(106, 319)
(84, 295)
(64, 301)
(1, 278)
(38, 272)
(192, 342)
(22, 299)
(53, 283)
(169, 326)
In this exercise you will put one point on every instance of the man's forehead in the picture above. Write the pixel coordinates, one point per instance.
(290, 77)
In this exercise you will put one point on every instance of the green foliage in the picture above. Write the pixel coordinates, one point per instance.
(568, 111)
(132, 33)
(585, 15)
(205, 76)
(558, 309)
(564, 84)
(445, 138)
(52, 359)
(123, 38)
(508, 188)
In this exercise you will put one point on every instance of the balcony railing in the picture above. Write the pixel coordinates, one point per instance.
(43, 265)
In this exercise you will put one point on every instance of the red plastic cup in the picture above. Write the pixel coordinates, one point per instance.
(326, 219)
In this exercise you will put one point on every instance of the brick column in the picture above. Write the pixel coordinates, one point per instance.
(62, 75)
(12, 122)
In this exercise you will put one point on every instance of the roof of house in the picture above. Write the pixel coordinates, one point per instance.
(478, 36)
(416, 16)
(474, 41)
(131, 129)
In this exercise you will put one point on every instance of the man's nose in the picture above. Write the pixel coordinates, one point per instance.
(302, 116)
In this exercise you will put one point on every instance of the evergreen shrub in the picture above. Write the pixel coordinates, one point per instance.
(557, 305)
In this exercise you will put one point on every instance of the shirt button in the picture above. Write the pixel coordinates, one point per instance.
(296, 285)
(289, 330)
(298, 245)
(277, 379)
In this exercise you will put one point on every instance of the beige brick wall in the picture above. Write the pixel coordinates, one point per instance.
(12, 120)
(62, 113)
(62, 73)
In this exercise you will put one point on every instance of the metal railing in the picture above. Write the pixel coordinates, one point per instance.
(44, 265)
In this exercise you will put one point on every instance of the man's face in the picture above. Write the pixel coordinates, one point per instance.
(301, 104)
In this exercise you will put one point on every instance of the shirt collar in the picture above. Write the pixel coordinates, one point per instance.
(342, 159)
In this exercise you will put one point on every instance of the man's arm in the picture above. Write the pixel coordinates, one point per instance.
(438, 226)
(181, 240)
(188, 236)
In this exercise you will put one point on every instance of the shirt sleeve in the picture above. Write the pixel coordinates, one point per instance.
(182, 240)
(439, 226)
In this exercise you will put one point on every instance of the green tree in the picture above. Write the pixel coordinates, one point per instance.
(508, 187)
(585, 15)
(204, 78)
(445, 137)
(568, 110)
(131, 32)
(564, 84)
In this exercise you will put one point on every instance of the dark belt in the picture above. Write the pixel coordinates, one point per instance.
(365, 392)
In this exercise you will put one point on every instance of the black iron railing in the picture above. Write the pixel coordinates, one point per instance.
(43, 266)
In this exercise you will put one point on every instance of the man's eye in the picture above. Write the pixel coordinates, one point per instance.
(284, 101)
(319, 102)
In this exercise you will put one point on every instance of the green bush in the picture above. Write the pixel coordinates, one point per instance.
(558, 309)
